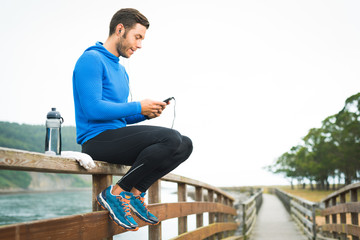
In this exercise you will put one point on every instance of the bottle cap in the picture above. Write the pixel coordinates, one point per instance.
(53, 114)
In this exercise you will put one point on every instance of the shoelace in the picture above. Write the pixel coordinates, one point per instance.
(125, 204)
(142, 200)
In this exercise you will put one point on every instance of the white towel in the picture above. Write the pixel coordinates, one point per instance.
(84, 159)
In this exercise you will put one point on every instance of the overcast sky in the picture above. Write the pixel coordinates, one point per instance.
(250, 77)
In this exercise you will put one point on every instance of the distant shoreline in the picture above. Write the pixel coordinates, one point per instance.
(20, 191)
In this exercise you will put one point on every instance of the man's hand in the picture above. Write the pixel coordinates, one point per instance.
(151, 108)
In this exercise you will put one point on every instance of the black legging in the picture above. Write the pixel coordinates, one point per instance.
(152, 152)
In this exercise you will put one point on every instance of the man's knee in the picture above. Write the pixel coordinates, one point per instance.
(174, 139)
(188, 145)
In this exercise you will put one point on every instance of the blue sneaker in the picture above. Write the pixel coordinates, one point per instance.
(137, 204)
(118, 207)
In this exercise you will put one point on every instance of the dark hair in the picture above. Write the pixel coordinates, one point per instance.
(127, 17)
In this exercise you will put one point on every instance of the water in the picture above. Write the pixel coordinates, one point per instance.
(25, 207)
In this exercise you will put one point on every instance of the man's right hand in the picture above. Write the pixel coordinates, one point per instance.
(152, 108)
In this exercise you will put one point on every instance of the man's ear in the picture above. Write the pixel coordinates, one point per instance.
(119, 28)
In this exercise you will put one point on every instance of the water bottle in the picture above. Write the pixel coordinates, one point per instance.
(53, 132)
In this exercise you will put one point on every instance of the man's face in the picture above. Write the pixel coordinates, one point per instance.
(130, 40)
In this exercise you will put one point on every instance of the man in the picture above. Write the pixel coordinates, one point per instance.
(102, 111)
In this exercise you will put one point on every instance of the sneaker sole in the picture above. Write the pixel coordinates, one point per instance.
(142, 218)
(112, 216)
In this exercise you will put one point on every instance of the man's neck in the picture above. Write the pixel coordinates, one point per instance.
(110, 45)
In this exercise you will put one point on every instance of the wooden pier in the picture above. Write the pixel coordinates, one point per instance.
(263, 215)
(274, 222)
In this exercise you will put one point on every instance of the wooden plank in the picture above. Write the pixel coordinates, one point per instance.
(305, 222)
(30, 161)
(302, 209)
(252, 198)
(234, 238)
(342, 228)
(97, 225)
(182, 221)
(250, 208)
(353, 207)
(298, 199)
(155, 197)
(321, 237)
(99, 183)
(220, 216)
(207, 231)
(180, 179)
(87, 226)
(14, 159)
(342, 190)
(211, 215)
(199, 198)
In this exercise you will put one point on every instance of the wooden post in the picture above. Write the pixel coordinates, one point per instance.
(244, 230)
(211, 215)
(99, 183)
(220, 216)
(199, 198)
(182, 221)
(313, 221)
(225, 216)
(343, 216)
(155, 197)
(327, 217)
(230, 218)
(333, 216)
(354, 216)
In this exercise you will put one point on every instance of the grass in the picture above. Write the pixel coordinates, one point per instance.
(310, 195)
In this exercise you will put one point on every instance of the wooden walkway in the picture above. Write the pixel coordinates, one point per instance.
(274, 222)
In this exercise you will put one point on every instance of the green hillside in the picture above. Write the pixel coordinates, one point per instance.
(32, 138)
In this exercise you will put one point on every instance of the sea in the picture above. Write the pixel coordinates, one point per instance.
(30, 206)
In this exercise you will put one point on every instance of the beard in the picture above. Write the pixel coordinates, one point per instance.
(121, 47)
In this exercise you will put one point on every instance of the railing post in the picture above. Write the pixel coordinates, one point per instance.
(99, 183)
(244, 221)
(225, 216)
(333, 216)
(231, 218)
(313, 221)
(155, 197)
(211, 215)
(343, 216)
(220, 216)
(327, 217)
(211, 199)
(354, 216)
(182, 221)
(199, 198)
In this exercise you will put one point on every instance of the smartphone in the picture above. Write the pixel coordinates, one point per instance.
(168, 99)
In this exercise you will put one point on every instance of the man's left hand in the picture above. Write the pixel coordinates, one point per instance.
(156, 114)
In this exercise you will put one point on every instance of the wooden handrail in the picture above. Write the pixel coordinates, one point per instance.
(338, 205)
(82, 226)
(14, 159)
(250, 208)
(301, 210)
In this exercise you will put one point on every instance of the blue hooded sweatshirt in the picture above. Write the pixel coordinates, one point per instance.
(101, 90)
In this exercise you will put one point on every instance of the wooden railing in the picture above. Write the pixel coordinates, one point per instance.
(96, 225)
(250, 209)
(341, 213)
(301, 210)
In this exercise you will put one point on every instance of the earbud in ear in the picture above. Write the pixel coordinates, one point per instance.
(119, 31)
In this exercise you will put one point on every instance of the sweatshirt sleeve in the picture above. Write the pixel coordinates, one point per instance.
(135, 119)
(88, 76)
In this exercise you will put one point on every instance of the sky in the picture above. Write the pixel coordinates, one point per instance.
(250, 78)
